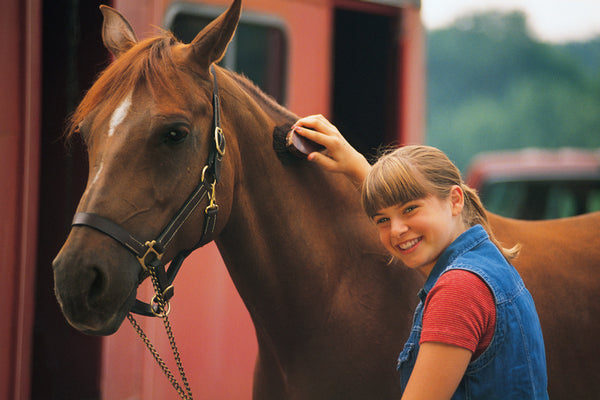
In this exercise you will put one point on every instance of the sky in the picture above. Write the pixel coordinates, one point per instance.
(554, 21)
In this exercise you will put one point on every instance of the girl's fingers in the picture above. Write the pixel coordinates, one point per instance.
(323, 161)
(318, 123)
(339, 155)
(310, 134)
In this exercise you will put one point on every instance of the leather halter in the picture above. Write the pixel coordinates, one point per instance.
(149, 254)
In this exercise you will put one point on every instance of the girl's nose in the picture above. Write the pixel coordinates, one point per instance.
(399, 226)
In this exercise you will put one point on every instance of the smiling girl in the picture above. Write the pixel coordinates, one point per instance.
(476, 332)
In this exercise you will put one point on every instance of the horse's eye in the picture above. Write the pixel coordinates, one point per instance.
(175, 135)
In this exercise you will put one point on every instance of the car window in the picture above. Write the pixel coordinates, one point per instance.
(534, 200)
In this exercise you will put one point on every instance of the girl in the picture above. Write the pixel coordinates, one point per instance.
(476, 332)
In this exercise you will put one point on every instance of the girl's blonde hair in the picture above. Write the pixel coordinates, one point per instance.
(415, 172)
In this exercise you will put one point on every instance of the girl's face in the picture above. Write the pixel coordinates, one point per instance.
(417, 232)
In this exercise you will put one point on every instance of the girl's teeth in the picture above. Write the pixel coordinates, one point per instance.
(409, 244)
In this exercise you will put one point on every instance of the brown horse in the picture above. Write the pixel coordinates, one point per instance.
(330, 314)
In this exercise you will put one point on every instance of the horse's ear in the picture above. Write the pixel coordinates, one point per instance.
(117, 34)
(210, 44)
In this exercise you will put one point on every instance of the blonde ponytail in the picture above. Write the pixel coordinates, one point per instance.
(474, 213)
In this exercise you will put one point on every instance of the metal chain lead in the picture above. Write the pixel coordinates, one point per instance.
(162, 312)
(157, 357)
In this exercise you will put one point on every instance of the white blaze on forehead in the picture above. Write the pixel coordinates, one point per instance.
(119, 114)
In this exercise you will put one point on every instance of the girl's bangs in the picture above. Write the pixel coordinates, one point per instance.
(391, 181)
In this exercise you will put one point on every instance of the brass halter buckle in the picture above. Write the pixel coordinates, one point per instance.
(219, 142)
(212, 205)
(149, 250)
(212, 198)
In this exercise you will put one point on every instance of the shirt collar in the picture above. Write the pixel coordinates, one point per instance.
(465, 242)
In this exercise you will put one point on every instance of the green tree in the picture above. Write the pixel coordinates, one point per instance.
(491, 86)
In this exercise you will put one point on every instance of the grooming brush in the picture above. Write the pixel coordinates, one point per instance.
(300, 146)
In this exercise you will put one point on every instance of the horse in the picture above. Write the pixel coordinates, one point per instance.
(331, 312)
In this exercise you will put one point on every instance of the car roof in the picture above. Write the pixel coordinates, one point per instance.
(533, 164)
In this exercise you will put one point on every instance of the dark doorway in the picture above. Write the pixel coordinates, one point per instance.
(66, 364)
(365, 74)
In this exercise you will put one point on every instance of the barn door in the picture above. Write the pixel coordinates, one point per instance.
(365, 73)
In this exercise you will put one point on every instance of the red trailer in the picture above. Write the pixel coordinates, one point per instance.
(20, 91)
(302, 52)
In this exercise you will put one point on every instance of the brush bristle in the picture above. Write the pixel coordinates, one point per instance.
(280, 134)
(280, 137)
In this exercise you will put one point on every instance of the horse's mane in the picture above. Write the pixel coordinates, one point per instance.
(261, 97)
(284, 117)
(150, 62)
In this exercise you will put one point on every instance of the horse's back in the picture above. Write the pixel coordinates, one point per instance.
(560, 264)
(559, 248)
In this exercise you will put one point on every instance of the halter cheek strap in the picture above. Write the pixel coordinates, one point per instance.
(149, 253)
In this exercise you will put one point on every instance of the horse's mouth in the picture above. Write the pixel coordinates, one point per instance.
(93, 321)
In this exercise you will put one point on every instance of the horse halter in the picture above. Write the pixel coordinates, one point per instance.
(149, 254)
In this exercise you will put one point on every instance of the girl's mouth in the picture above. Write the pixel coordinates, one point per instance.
(409, 245)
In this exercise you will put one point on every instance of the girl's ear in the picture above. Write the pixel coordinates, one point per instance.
(457, 199)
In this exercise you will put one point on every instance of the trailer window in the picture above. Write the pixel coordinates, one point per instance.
(258, 49)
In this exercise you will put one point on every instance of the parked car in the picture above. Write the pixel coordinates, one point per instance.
(537, 184)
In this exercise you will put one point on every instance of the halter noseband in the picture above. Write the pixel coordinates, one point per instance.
(149, 254)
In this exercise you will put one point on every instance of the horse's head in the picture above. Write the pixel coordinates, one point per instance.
(147, 123)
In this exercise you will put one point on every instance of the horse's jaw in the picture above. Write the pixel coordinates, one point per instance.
(95, 292)
(94, 324)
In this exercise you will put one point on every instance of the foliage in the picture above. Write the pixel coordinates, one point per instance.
(491, 86)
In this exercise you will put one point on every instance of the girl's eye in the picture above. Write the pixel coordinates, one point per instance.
(175, 135)
(381, 220)
(409, 209)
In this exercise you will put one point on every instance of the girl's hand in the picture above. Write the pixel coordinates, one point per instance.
(339, 156)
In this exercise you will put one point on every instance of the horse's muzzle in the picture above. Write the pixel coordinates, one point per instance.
(95, 293)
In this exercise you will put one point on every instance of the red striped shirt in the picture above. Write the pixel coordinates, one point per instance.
(460, 310)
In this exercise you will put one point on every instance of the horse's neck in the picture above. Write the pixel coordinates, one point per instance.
(297, 199)
(288, 220)
(295, 233)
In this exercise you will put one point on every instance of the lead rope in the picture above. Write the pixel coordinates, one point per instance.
(161, 309)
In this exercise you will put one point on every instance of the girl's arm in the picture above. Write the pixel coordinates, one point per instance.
(438, 371)
(339, 156)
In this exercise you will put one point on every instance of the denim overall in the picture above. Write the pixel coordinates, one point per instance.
(514, 364)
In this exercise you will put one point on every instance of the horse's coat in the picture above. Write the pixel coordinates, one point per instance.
(331, 315)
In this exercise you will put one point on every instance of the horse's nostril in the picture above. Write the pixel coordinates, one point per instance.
(98, 285)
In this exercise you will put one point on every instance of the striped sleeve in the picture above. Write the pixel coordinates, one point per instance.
(459, 310)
